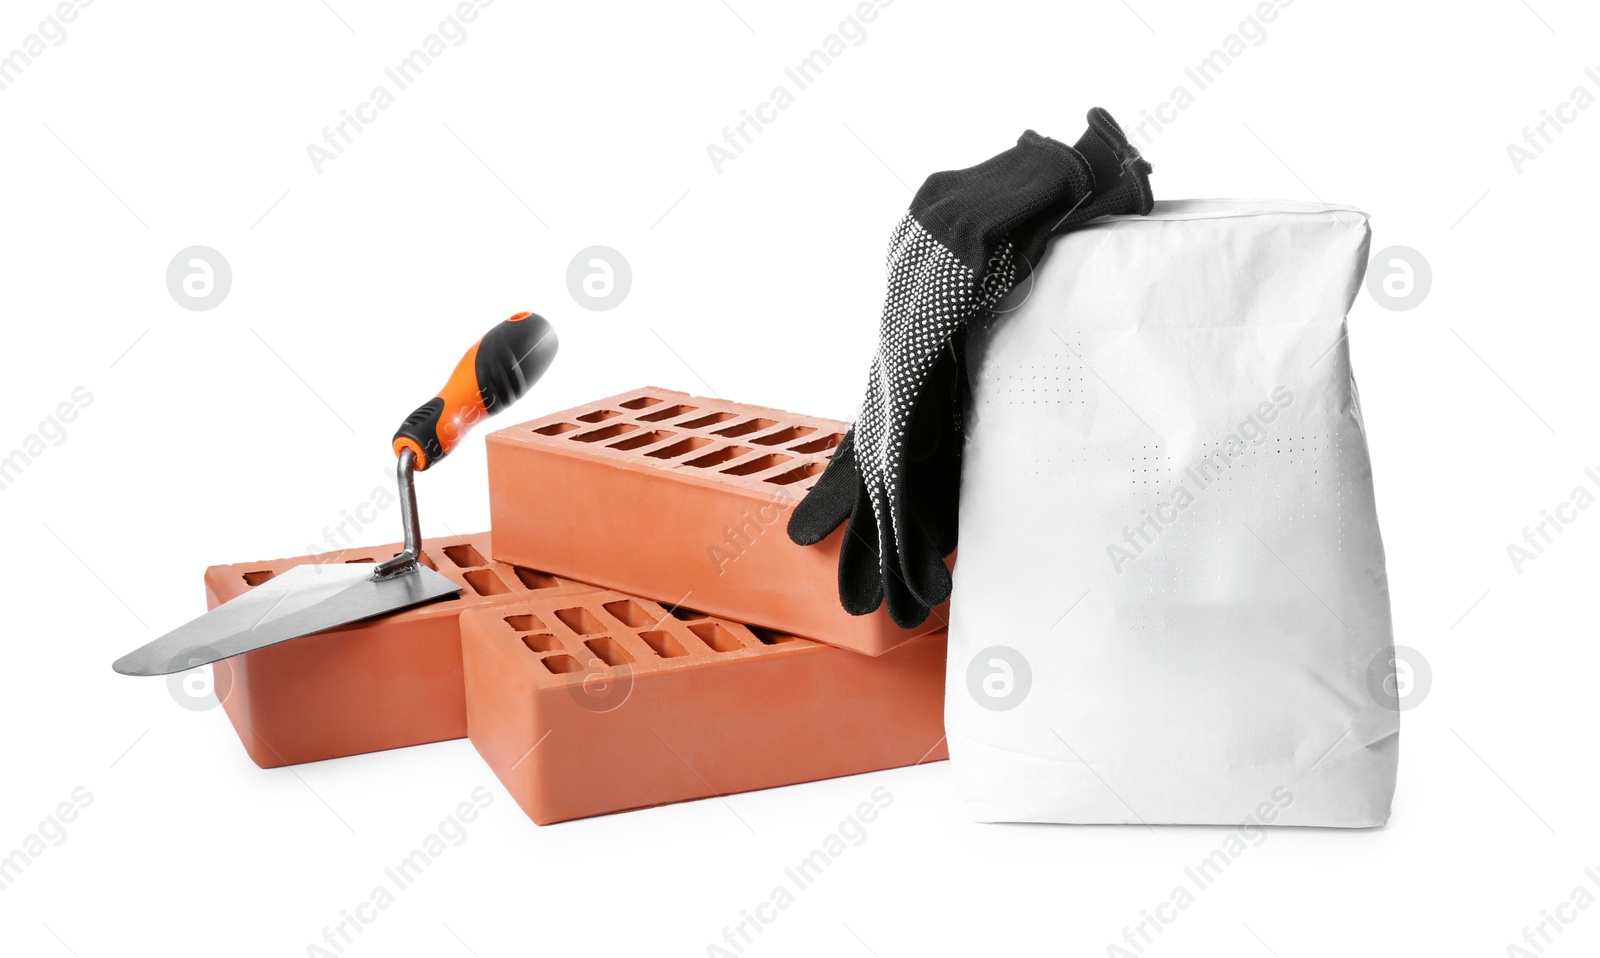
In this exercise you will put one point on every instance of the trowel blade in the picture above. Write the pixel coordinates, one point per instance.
(306, 599)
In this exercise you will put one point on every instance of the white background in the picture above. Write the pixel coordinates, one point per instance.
(242, 431)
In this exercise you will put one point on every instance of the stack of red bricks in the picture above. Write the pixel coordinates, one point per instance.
(637, 628)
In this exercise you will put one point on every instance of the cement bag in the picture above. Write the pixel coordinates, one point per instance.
(1170, 603)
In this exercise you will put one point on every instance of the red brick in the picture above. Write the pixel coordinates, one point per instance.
(385, 683)
(590, 703)
(681, 499)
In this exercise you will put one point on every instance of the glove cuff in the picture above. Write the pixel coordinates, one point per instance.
(969, 211)
(1121, 175)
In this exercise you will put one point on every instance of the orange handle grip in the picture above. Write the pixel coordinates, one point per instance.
(494, 373)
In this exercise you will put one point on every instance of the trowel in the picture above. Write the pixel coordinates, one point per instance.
(311, 598)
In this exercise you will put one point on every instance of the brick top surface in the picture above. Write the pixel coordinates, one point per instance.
(766, 451)
(608, 637)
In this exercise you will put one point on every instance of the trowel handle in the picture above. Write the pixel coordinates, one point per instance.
(493, 374)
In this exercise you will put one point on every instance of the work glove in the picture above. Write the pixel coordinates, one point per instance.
(970, 237)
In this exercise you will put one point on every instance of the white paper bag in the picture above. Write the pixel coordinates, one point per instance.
(1170, 602)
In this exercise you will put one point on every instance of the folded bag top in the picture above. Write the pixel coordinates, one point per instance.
(1171, 603)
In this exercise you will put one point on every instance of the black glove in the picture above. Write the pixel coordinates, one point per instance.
(968, 239)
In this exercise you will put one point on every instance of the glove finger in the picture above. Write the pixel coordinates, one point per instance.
(933, 473)
(831, 500)
(906, 609)
(926, 531)
(922, 569)
(934, 495)
(860, 570)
